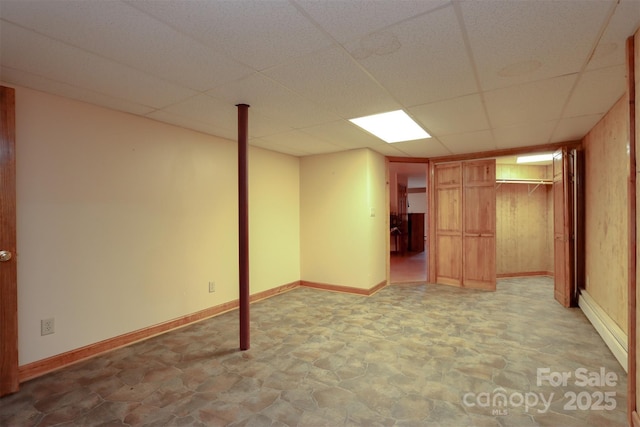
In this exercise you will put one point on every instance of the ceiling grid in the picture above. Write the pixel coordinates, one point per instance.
(476, 75)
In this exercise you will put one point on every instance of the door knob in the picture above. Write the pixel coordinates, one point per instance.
(5, 256)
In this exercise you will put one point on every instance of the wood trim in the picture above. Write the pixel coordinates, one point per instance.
(417, 190)
(506, 152)
(275, 291)
(635, 419)
(579, 217)
(9, 381)
(632, 196)
(431, 232)
(408, 159)
(488, 154)
(53, 363)
(525, 274)
(344, 289)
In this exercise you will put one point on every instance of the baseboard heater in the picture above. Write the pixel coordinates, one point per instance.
(613, 336)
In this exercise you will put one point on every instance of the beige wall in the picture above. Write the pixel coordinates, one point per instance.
(523, 221)
(606, 224)
(123, 221)
(274, 219)
(342, 243)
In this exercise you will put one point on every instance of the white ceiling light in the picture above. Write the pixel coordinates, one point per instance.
(394, 126)
(535, 158)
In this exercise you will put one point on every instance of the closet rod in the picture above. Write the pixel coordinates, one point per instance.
(525, 181)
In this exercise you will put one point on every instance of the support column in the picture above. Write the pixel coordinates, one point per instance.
(243, 222)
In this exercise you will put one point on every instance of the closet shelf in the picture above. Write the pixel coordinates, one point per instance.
(529, 182)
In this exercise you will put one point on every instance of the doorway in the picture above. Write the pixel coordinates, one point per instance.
(408, 219)
(524, 217)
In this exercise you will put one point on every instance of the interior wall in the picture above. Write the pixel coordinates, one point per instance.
(393, 192)
(523, 221)
(606, 225)
(274, 219)
(417, 202)
(123, 221)
(343, 218)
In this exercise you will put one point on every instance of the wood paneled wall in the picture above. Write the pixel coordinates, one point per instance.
(524, 234)
(606, 212)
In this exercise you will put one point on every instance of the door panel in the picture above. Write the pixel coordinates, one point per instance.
(479, 262)
(448, 184)
(562, 213)
(449, 260)
(8, 268)
(447, 217)
(479, 207)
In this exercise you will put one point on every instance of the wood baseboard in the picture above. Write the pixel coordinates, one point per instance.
(275, 291)
(53, 363)
(344, 289)
(524, 274)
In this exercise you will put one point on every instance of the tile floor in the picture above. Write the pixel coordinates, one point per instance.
(410, 355)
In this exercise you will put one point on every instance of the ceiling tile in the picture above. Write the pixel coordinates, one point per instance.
(272, 99)
(597, 91)
(224, 115)
(335, 81)
(302, 142)
(531, 102)
(208, 110)
(189, 123)
(348, 136)
(573, 128)
(348, 20)
(518, 41)
(422, 148)
(420, 60)
(274, 146)
(524, 135)
(116, 31)
(33, 81)
(458, 115)
(34, 53)
(343, 134)
(611, 47)
(471, 142)
(258, 33)
(306, 66)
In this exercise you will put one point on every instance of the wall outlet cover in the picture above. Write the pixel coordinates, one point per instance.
(47, 326)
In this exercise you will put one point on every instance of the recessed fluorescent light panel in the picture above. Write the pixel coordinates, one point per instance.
(535, 158)
(394, 126)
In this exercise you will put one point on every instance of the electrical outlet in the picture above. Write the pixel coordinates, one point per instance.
(212, 287)
(47, 326)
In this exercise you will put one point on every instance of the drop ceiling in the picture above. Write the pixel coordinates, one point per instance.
(477, 75)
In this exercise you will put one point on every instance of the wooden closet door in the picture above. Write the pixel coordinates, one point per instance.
(562, 228)
(479, 237)
(448, 186)
(9, 382)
